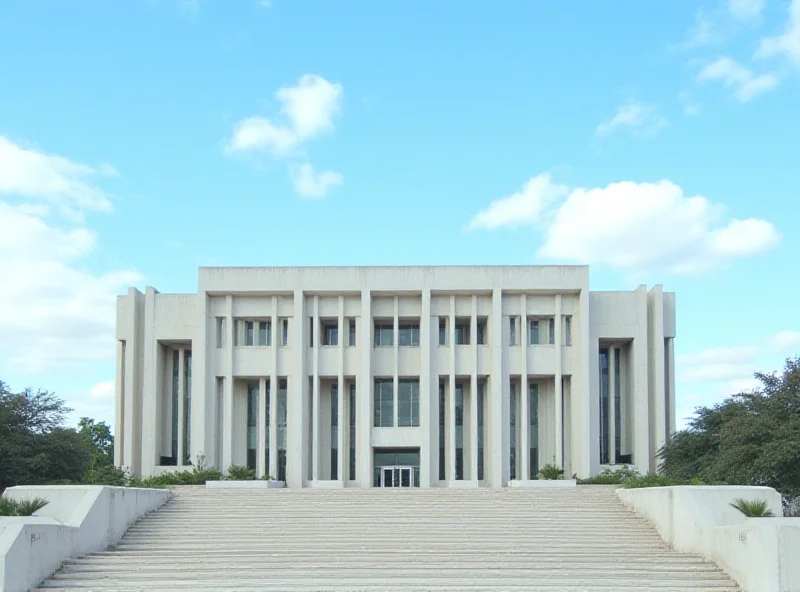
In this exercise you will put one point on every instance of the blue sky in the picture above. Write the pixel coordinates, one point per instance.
(657, 141)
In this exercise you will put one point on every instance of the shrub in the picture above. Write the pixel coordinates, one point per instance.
(753, 508)
(551, 473)
(108, 475)
(240, 473)
(655, 480)
(791, 507)
(195, 477)
(610, 477)
(25, 507)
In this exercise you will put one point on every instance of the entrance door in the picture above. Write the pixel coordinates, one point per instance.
(397, 477)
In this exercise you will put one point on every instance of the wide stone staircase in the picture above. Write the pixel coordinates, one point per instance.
(579, 539)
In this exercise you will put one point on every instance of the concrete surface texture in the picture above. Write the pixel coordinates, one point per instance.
(320, 374)
(760, 553)
(77, 520)
(571, 540)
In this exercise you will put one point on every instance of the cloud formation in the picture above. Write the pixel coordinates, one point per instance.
(744, 84)
(636, 117)
(308, 183)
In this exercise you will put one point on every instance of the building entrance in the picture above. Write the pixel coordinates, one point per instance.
(397, 477)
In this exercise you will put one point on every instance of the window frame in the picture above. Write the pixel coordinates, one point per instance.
(379, 400)
(411, 386)
(379, 332)
(330, 329)
(412, 329)
(462, 330)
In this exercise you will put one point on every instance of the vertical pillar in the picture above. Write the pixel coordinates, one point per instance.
(498, 398)
(297, 400)
(473, 391)
(315, 332)
(181, 408)
(364, 394)
(451, 407)
(227, 395)
(612, 407)
(395, 352)
(341, 473)
(670, 394)
(261, 452)
(559, 395)
(119, 417)
(272, 469)
(426, 390)
(523, 405)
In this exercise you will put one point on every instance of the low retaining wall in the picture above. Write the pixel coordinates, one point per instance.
(761, 554)
(78, 519)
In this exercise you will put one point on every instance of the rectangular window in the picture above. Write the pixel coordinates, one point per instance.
(442, 456)
(220, 331)
(513, 432)
(252, 430)
(533, 332)
(481, 395)
(617, 405)
(310, 331)
(175, 381)
(482, 332)
(352, 458)
(408, 402)
(459, 431)
(604, 407)
(384, 335)
(408, 335)
(352, 333)
(568, 330)
(264, 333)
(248, 332)
(266, 431)
(512, 330)
(462, 333)
(384, 403)
(285, 332)
(187, 406)
(533, 430)
(334, 432)
(330, 334)
(282, 430)
(442, 331)
(551, 331)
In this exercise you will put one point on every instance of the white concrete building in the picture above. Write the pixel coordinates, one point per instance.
(394, 376)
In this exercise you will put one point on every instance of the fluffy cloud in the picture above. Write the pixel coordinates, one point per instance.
(55, 311)
(715, 364)
(308, 109)
(787, 341)
(745, 85)
(102, 390)
(745, 10)
(307, 183)
(672, 232)
(786, 44)
(638, 118)
(718, 355)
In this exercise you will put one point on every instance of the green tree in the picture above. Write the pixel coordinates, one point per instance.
(748, 439)
(102, 442)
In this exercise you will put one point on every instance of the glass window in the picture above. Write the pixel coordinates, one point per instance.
(384, 335)
(568, 330)
(481, 395)
(220, 331)
(252, 430)
(264, 333)
(462, 333)
(187, 406)
(334, 432)
(352, 410)
(282, 430)
(512, 330)
(617, 405)
(266, 431)
(604, 452)
(551, 331)
(442, 331)
(408, 335)
(533, 332)
(331, 336)
(311, 332)
(533, 430)
(384, 403)
(285, 332)
(442, 471)
(352, 333)
(175, 380)
(248, 333)
(459, 431)
(482, 332)
(408, 402)
(513, 432)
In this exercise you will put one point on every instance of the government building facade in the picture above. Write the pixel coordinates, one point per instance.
(394, 376)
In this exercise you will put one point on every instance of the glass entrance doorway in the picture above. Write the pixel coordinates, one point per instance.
(397, 477)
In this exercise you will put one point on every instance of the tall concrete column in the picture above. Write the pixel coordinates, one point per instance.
(340, 391)
(498, 399)
(181, 460)
(656, 373)
(364, 394)
(426, 390)
(473, 391)
(612, 407)
(451, 407)
(297, 400)
(261, 452)
(559, 395)
(315, 336)
(523, 400)
(670, 394)
(228, 390)
(272, 469)
(395, 355)
(119, 416)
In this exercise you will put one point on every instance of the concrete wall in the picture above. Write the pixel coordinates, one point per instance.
(759, 553)
(78, 519)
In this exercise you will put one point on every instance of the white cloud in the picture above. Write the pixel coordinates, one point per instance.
(745, 10)
(690, 106)
(671, 232)
(718, 355)
(31, 174)
(715, 372)
(308, 109)
(635, 116)
(265, 3)
(786, 44)
(523, 207)
(745, 85)
(717, 363)
(307, 183)
(102, 390)
(742, 385)
(56, 312)
(787, 341)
